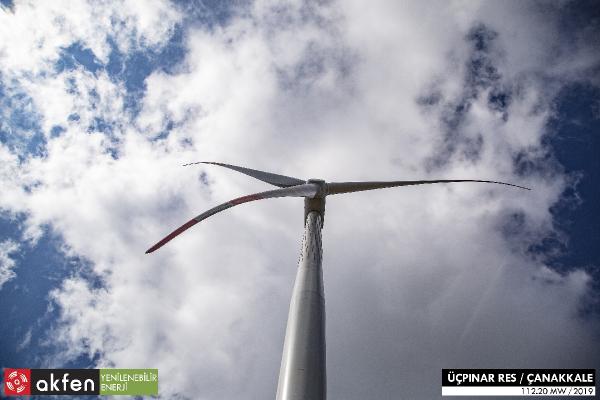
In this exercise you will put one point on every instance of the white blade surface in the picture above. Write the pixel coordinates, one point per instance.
(350, 187)
(304, 190)
(273, 179)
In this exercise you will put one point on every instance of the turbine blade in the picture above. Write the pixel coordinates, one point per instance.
(350, 187)
(273, 179)
(304, 190)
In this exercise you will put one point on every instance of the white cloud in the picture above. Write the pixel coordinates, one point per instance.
(34, 34)
(416, 279)
(7, 262)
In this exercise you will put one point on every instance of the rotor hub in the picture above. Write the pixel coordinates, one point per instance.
(322, 186)
(316, 203)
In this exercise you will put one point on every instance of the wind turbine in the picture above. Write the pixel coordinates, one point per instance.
(302, 373)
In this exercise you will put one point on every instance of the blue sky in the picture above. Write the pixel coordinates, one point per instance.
(101, 104)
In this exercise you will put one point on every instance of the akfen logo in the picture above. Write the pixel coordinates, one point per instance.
(19, 382)
(16, 382)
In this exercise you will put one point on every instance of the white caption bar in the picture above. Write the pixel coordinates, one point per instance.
(518, 391)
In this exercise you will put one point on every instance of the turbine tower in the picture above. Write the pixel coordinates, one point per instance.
(302, 374)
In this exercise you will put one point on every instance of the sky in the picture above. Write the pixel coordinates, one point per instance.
(102, 102)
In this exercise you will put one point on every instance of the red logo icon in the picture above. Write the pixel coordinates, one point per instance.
(17, 382)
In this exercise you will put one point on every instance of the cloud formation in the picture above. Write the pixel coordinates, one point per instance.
(35, 34)
(7, 262)
(417, 279)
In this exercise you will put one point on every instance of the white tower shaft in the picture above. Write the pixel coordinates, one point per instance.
(302, 372)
